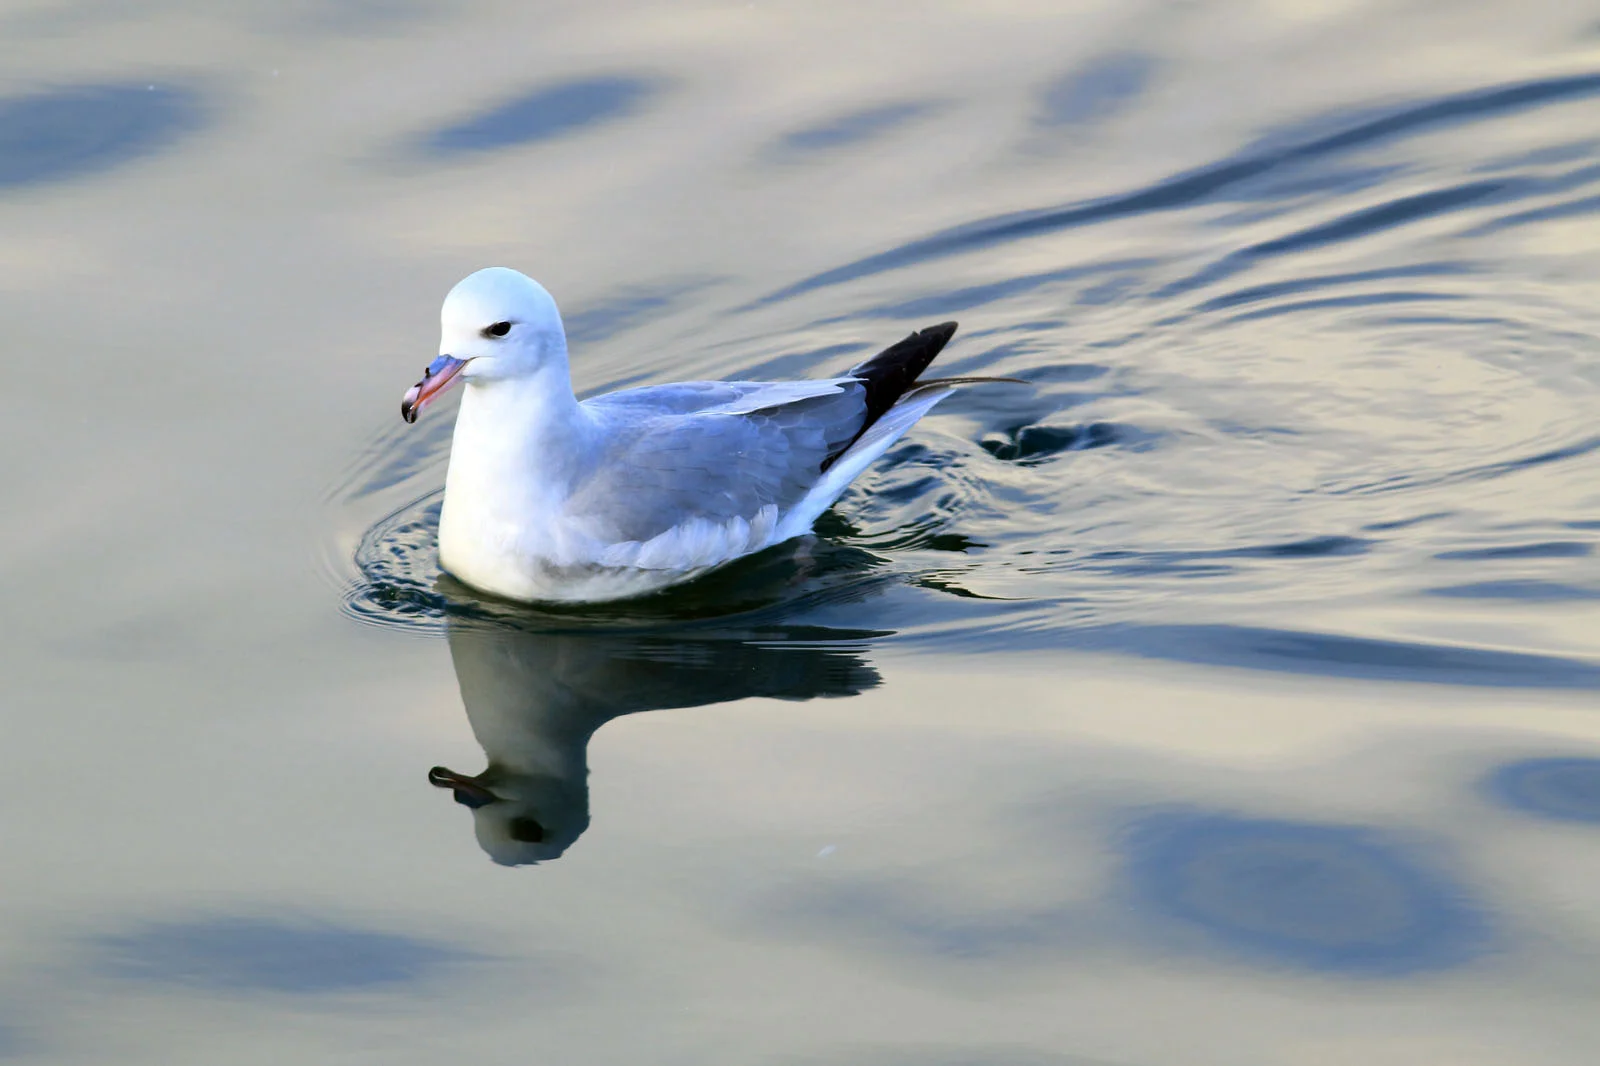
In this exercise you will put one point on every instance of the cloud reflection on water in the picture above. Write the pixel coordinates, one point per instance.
(1097, 91)
(545, 113)
(1355, 901)
(1334, 898)
(853, 128)
(1563, 788)
(76, 130)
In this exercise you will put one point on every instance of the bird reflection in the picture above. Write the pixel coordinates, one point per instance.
(534, 700)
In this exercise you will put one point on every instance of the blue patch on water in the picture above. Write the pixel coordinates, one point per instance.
(1096, 92)
(1576, 208)
(544, 114)
(1551, 549)
(1334, 898)
(854, 128)
(266, 955)
(1525, 591)
(64, 133)
(1369, 220)
(1564, 788)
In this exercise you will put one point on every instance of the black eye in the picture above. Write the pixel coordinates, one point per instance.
(499, 329)
(526, 830)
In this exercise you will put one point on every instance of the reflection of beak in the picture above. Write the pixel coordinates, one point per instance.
(440, 373)
(469, 792)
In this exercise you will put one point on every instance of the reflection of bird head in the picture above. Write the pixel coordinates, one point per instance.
(535, 699)
(520, 818)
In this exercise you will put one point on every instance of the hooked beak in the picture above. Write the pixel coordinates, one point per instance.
(469, 792)
(440, 373)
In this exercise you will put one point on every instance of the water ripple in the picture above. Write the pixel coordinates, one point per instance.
(1186, 190)
(1334, 898)
(1566, 789)
(1393, 393)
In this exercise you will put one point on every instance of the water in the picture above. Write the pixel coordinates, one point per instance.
(1224, 693)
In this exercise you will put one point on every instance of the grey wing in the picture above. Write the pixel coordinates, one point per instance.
(727, 397)
(757, 446)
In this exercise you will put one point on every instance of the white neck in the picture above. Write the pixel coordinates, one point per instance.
(520, 446)
(525, 700)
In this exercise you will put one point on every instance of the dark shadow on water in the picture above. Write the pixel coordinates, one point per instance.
(1402, 211)
(1292, 287)
(1553, 549)
(534, 699)
(1574, 208)
(236, 954)
(854, 128)
(57, 134)
(1330, 898)
(544, 114)
(1562, 788)
(1526, 591)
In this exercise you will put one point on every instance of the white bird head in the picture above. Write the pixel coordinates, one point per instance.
(495, 324)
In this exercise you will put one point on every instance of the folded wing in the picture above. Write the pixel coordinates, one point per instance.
(752, 447)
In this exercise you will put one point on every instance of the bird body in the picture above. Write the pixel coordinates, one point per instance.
(551, 499)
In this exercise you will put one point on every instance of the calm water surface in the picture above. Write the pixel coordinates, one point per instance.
(1226, 693)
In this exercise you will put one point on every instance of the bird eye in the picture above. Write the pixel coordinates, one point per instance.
(499, 329)
(526, 830)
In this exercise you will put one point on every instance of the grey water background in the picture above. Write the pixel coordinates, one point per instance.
(1224, 694)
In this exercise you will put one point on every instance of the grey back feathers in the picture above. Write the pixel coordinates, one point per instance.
(722, 450)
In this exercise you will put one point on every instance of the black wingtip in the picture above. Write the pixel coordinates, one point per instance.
(892, 371)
